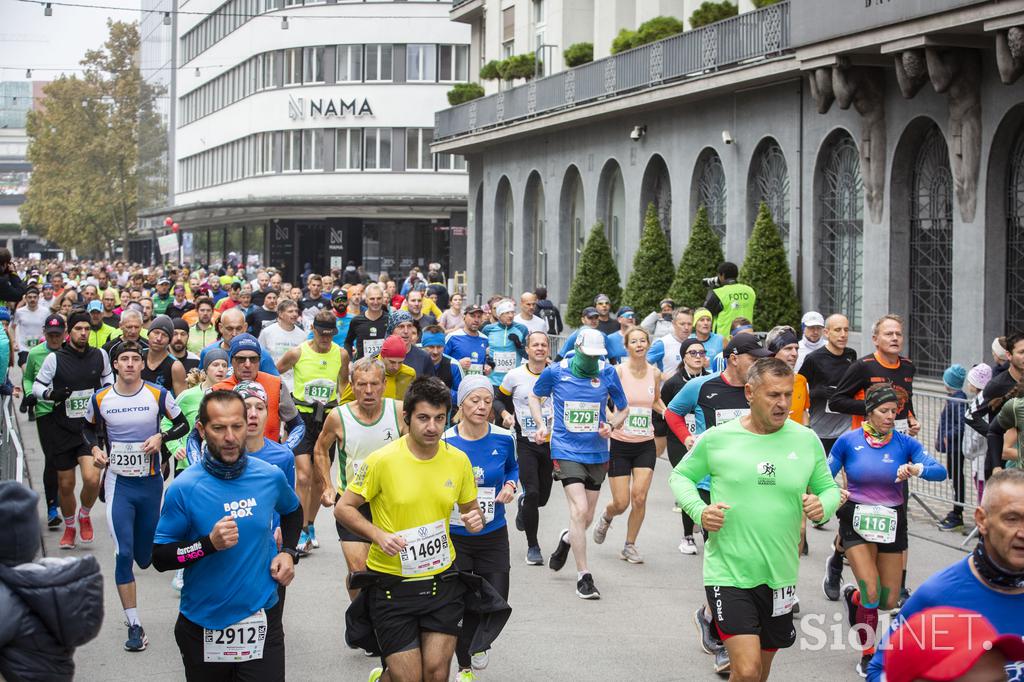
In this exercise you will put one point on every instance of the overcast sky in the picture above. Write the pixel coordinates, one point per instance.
(28, 39)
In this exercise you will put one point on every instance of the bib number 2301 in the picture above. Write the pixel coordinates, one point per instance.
(242, 641)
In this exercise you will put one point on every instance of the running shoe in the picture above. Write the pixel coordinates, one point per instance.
(629, 553)
(53, 519)
(687, 545)
(303, 546)
(534, 557)
(862, 667)
(561, 553)
(851, 608)
(480, 660)
(85, 528)
(137, 640)
(462, 676)
(178, 581)
(311, 531)
(831, 584)
(585, 588)
(708, 642)
(376, 673)
(904, 596)
(722, 661)
(520, 525)
(951, 522)
(601, 529)
(68, 539)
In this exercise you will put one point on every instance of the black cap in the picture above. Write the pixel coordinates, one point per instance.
(746, 344)
(589, 311)
(179, 324)
(54, 323)
(685, 345)
(473, 308)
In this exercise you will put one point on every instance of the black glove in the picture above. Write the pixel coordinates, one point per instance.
(57, 394)
(517, 342)
(28, 401)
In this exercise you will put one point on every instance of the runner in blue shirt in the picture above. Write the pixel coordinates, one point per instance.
(492, 452)
(580, 389)
(216, 523)
(506, 342)
(467, 345)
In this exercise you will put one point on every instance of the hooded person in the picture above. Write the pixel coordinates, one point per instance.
(50, 606)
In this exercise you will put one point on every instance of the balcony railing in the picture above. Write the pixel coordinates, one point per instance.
(456, 3)
(749, 36)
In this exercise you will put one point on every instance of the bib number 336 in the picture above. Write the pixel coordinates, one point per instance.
(242, 641)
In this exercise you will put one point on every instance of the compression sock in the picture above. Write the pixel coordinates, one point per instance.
(132, 615)
(83, 512)
(69, 521)
(868, 620)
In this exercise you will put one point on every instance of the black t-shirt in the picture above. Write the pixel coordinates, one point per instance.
(362, 329)
(721, 402)
(609, 326)
(259, 319)
(161, 375)
(823, 370)
(848, 397)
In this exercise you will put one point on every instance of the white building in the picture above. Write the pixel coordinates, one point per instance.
(302, 132)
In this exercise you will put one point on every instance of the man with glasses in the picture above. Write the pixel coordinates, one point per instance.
(232, 323)
(606, 324)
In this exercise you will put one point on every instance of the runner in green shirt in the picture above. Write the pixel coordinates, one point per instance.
(761, 466)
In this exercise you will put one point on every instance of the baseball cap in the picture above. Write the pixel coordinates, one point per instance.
(668, 301)
(590, 311)
(625, 311)
(602, 298)
(505, 306)
(746, 344)
(47, 285)
(813, 319)
(163, 280)
(470, 309)
(244, 342)
(251, 389)
(590, 342)
(94, 307)
(54, 323)
(943, 643)
(393, 347)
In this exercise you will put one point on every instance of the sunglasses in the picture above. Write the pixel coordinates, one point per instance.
(247, 359)
(697, 353)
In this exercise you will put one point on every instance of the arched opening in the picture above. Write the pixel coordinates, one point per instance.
(1015, 234)
(535, 257)
(478, 240)
(709, 191)
(840, 229)
(611, 196)
(572, 234)
(656, 188)
(504, 237)
(768, 183)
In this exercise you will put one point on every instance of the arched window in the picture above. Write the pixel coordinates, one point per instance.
(504, 219)
(711, 192)
(770, 185)
(841, 231)
(612, 201)
(572, 233)
(1015, 236)
(931, 255)
(656, 189)
(537, 270)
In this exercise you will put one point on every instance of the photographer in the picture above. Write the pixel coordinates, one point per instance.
(12, 289)
(728, 299)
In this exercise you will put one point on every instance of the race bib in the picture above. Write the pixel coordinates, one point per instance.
(526, 422)
(31, 343)
(783, 600)
(485, 496)
(77, 404)
(427, 548)
(691, 422)
(875, 523)
(128, 459)
(638, 422)
(505, 361)
(724, 416)
(319, 390)
(242, 641)
(901, 426)
(371, 347)
(580, 416)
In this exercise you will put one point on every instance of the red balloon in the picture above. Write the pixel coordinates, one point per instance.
(168, 221)
(175, 227)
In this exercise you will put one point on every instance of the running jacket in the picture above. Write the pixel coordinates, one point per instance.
(848, 397)
(871, 472)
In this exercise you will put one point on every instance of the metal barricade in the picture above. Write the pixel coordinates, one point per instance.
(12, 453)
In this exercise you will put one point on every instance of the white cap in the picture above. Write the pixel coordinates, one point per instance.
(813, 319)
(504, 306)
(590, 342)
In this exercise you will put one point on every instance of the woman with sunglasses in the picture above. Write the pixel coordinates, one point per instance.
(694, 358)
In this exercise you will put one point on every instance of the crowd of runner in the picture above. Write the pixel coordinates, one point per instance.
(215, 413)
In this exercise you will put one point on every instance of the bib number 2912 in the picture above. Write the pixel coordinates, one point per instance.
(242, 641)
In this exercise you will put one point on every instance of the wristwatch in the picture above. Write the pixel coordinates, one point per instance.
(293, 553)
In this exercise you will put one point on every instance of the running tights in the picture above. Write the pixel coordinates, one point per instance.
(470, 621)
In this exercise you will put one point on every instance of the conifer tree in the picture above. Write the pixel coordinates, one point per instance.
(701, 259)
(596, 273)
(766, 269)
(652, 267)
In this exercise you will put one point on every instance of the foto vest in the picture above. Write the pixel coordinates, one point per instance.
(737, 301)
(272, 385)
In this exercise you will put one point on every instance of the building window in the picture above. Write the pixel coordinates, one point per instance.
(453, 63)
(378, 63)
(267, 70)
(931, 255)
(538, 11)
(711, 192)
(420, 63)
(348, 149)
(1015, 236)
(313, 150)
(291, 159)
(350, 63)
(417, 149)
(616, 214)
(265, 153)
(450, 162)
(841, 232)
(377, 148)
(508, 31)
(312, 65)
(293, 66)
(771, 187)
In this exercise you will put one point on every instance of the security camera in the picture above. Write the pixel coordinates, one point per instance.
(726, 137)
(637, 133)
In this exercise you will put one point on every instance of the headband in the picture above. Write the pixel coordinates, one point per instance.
(880, 396)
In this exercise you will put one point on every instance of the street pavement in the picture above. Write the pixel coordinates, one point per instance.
(642, 628)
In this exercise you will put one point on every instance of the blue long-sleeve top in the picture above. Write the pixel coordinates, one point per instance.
(494, 464)
(871, 471)
(950, 434)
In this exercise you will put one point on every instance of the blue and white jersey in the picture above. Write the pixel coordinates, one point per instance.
(131, 419)
(461, 344)
(494, 464)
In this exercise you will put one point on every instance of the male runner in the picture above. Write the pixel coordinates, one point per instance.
(527, 313)
(579, 388)
(179, 346)
(319, 367)
(69, 377)
(367, 331)
(162, 368)
(314, 302)
(279, 337)
(217, 523)
(664, 353)
(359, 428)
(203, 332)
(762, 466)
(128, 414)
(258, 445)
(432, 340)
(505, 341)
(232, 323)
(404, 327)
(264, 315)
(468, 346)
(130, 329)
(27, 325)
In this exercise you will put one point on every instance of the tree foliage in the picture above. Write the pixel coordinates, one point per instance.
(710, 12)
(464, 92)
(766, 269)
(701, 258)
(595, 274)
(489, 71)
(578, 53)
(652, 267)
(84, 148)
(764, 3)
(650, 31)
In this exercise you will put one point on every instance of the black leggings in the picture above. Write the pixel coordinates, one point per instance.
(955, 467)
(50, 488)
(271, 667)
(676, 452)
(535, 475)
(470, 621)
